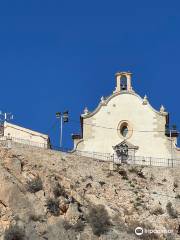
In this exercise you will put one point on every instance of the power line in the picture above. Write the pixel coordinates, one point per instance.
(111, 128)
(53, 126)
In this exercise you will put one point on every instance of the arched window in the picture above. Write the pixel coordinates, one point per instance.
(125, 129)
(123, 82)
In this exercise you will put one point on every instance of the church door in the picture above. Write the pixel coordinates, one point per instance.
(122, 153)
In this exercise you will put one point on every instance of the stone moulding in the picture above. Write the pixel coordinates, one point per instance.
(106, 101)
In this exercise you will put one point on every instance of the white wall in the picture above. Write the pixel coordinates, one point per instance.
(24, 135)
(126, 106)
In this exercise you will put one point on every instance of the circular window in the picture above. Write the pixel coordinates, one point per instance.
(124, 129)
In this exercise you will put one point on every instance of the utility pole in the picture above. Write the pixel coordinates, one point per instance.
(64, 118)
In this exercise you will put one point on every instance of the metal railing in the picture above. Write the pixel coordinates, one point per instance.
(148, 161)
(94, 155)
(134, 160)
(8, 142)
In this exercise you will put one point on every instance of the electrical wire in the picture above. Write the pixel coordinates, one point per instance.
(110, 128)
(52, 127)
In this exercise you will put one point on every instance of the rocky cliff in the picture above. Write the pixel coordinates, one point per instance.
(49, 195)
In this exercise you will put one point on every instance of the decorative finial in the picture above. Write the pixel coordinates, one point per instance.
(162, 109)
(86, 111)
(145, 100)
(102, 99)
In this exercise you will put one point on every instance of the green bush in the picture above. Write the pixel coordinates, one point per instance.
(59, 191)
(141, 174)
(67, 225)
(123, 173)
(171, 211)
(99, 219)
(78, 227)
(53, 206)
(87, 178)
(158, 211)
(133, 169)
(14, 233)
(102, 183)
(175, 184)
(177, 196)
(34, 185)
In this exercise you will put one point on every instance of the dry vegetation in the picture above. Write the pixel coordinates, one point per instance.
(62, 196)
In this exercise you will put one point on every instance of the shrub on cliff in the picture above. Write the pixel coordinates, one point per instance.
(14, 233)
(99, 219)
(171, 211)
(34, 185)
(59, 191)
(53, 206)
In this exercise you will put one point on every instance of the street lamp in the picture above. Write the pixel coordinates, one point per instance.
(64, 118)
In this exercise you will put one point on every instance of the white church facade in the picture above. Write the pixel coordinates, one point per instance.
(126, 125)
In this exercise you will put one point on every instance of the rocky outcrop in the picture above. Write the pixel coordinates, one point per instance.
(52, 195)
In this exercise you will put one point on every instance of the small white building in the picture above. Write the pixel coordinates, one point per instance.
(24, 135)
(127, 126)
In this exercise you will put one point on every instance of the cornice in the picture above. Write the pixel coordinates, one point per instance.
(115, 94)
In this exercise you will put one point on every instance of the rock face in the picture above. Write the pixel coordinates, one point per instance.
(46, 194)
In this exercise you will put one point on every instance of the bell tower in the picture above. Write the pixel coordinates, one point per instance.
(123, 82)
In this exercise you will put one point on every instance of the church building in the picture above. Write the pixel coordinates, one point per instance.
(23, 135)
(127, 126)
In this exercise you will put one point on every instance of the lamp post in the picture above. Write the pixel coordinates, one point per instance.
(64, 118)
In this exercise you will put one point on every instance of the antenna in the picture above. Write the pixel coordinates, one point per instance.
(5, 117)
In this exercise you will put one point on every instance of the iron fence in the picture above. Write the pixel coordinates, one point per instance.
(107, 157)
(8, 141)
(148, 161)
(94, 155)
(133, 160)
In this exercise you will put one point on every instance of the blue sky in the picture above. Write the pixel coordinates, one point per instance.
(58, 55)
